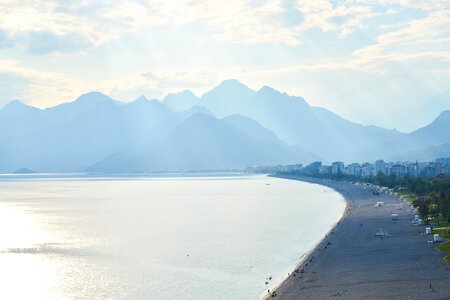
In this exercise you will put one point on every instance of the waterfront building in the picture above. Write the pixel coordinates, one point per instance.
(380, 166)
(337, 167)
(354, 169)
(367, 170)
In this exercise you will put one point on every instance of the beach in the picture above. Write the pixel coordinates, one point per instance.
(354, 261)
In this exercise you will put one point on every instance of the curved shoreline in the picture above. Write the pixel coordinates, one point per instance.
(306, 256)
(361, 263)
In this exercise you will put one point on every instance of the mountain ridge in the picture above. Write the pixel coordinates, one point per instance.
(279, 128)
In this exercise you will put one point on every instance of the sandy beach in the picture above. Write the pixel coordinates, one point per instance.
(353, 263)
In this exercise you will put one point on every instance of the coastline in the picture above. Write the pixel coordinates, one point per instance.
(306, 256)
(357, 264)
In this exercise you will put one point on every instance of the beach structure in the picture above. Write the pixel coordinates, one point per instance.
(380, 232)
(437, 238)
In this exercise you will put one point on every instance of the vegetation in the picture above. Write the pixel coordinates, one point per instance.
(444, 232)
(445, 248)
(431, 197)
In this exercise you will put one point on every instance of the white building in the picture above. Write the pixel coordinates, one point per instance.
(380, 166)
(337, 167)
(354, 169)
(367, 170)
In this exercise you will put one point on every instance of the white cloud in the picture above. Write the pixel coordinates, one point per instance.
(158, 83)
(234, 21)
(42, 88)
(192, 44)
(342, 17)
(417, 39)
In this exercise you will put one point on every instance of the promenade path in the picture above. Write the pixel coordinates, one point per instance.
(358, 265)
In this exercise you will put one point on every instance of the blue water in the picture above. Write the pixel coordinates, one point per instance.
(136, 237)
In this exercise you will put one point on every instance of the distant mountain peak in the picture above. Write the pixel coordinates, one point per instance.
(229, 88)
(442, 118)
(181, 101)
(93, 97)
(24, 171)
(269, 91)
(232, 83)
(141, 98)
(17, 105)
(444, 115)
(185, 93)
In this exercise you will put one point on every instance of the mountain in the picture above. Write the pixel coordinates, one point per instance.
(253, 129)
(315, 129)
(66, 112)
(229, 127)
(141, 117)
(426, 143)
(181, 101)
(24, 171)
(431, 141)
(202, 142)
(72, 136)
(431, 109)
(437, 132)
(19, 117)
(176, 118)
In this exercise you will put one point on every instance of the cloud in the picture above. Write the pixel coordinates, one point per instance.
(5, 41)
(428, 37)
(40, 88)
(96, 22)
(158, 83)
(44, 89)
(48, 42)
(93, 23)
(344, 18)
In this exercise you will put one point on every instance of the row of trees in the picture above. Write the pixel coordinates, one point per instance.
(432, 195)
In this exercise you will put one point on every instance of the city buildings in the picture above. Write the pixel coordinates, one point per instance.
(397, 169)
(380, 166)
(337, 167)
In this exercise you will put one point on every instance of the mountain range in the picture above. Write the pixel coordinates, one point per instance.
(229, 127)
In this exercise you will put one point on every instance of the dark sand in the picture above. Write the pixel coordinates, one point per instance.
(359, 265)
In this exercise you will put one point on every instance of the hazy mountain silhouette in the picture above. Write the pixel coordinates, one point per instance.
(315, 129)
(437, 132)
(428, 142)
(229, 127)
(432, 108)
(202, 142)
(431, 141)
(181, 101)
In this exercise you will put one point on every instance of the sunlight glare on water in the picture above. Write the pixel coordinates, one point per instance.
(168, 238)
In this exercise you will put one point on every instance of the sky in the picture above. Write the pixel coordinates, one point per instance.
(373, 62)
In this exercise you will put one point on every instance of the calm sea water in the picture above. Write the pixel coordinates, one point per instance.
(159, 238)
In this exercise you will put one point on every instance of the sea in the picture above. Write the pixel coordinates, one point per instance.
(202, 236)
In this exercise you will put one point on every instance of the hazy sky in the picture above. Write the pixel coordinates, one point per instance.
(366, 60)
